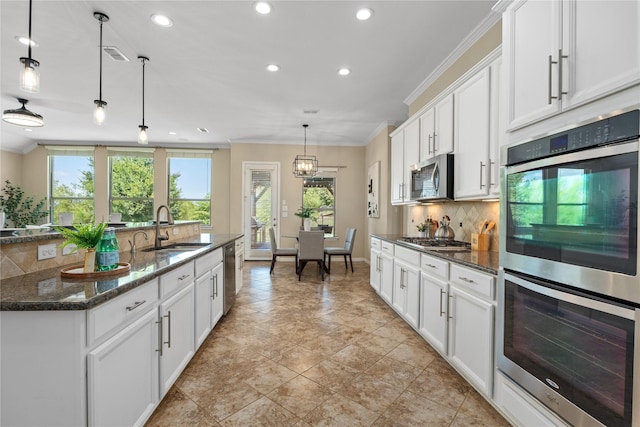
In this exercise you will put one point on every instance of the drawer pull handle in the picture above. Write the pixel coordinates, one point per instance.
(135, 305)
(168, 341)
(464, 279)
(184, 276)
(431, 265)
(214, 279)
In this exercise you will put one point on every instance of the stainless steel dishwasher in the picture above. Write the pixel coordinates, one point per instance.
(229, 276)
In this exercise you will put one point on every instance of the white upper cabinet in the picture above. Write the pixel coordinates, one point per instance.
(472, 115)
(405, 151)
(561, 54)
(436, 129)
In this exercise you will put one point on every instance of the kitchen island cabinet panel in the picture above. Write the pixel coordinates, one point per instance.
(123, 375)
(42, 369)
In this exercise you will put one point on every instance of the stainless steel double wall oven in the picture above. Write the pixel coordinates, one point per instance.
(569, 293)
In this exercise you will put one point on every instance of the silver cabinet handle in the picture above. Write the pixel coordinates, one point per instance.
(464, 279)
(482, 165)
(429, 144)
(402, 285)
(442, 292)
(168, 341)
(551, 62)
(449, 306)
(184, 276)
(560, 58)
(490, 168)
(430, 265)
(135, 305)
(160, 334)
(559, 62)
(434, 143)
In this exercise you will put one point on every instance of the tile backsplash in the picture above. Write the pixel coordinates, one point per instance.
(469, 214)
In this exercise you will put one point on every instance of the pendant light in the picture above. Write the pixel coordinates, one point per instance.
(142, 133)
(303, 165)
(29, 75)
(99, 114)
(22, 117)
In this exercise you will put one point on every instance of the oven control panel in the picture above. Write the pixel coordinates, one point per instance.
(603, 132)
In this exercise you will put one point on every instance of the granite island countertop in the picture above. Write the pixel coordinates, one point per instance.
(46, 290)
(486, 261)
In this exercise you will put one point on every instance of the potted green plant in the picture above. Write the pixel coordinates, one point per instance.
(83, 236)
(306, 215)
(423, 227)
(18, 209)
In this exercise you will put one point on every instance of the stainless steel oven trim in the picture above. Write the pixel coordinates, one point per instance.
(542, 392)
(606, 283)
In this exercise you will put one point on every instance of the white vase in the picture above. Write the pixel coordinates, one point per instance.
(306, 223)
(422, 234)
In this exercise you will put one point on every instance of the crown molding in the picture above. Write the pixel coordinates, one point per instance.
(489, 21)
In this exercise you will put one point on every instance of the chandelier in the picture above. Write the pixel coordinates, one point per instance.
(303, 165)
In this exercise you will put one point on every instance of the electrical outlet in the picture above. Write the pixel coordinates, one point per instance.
(69, 249)
(46, 251)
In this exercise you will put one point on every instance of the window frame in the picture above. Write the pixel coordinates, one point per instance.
(148, 153)
(191, 154)
(67, 151)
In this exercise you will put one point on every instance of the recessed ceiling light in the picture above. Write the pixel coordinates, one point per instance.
(263, 7)
(273, 67)
(161, 20)
(203, 130)
(344, 71)
(25, 41)
(172, 132)
(364, 14)
(28, 130)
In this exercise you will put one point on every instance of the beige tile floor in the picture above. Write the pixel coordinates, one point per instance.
(315, 353)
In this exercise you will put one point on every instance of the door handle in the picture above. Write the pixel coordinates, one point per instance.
(168, 341)
(442, 292)
(481, 166)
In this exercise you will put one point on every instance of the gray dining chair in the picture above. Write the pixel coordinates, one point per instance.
(276, 252)
(310, 248)
(346, 251)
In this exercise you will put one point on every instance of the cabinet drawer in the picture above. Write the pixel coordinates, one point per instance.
(207, 261)
(121, 310)
(434, 266)
(174, 280)
(387, 248)
(375, 243)
(473, 280)
(408, 255)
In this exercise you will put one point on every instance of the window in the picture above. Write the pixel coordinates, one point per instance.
(131, 184)
(190, 185)
(71, 184)
(319, 194)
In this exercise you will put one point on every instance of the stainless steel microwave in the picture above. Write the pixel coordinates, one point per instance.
(432, 179)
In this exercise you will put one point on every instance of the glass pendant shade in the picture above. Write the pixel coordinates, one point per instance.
(99, 113)
(303, 165)
(142, 135)
(30, 75)
(23, 117)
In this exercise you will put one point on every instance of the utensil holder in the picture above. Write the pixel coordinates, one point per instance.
(479, 242)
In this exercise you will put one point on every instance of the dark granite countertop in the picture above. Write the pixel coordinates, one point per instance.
(486, 261)
(46, 290)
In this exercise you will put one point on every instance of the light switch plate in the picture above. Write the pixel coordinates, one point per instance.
(46, 251)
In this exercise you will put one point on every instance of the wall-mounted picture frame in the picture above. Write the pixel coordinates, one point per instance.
(373, 193)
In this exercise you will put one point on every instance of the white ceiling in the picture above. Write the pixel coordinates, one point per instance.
(208, 70)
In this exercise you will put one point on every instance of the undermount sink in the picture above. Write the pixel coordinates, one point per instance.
(179, 247)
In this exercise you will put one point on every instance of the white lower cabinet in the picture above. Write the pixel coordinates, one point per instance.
(122, 375)
(177, 336)
(433, 312)
(208, 290)
(406, 285)
(381, 269)
(239, 263)
(471, 337)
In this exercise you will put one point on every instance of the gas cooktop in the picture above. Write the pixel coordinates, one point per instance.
(437, 244)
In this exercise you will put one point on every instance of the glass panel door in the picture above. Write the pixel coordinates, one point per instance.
(260, 208)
